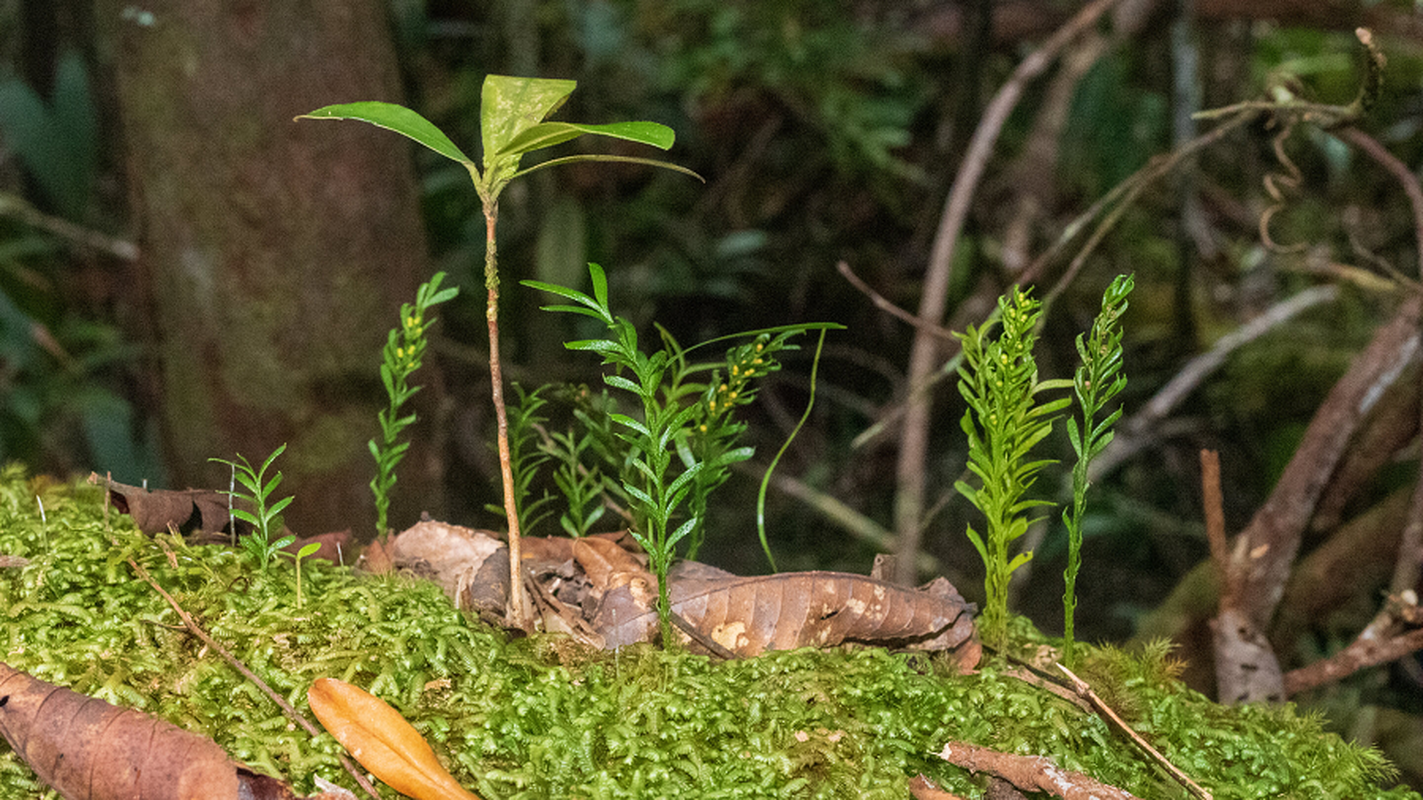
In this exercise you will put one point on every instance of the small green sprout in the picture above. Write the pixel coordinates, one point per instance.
(401, 356)
(259, 543)
(1097, 382)
(681, 418)
(306, 550)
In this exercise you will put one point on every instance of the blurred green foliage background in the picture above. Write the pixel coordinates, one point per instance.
(828, 132)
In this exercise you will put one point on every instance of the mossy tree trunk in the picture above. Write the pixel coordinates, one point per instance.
(276, 253)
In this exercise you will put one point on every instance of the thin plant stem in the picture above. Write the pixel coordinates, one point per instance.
(766, 479)
(518, 606)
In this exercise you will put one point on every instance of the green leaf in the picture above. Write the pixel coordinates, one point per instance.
(682, 480)
(978, 545)
(510, 106)
(307, 550)
(619, 382)
(624, 419)
(682, 530)
(282, 542)
(271, 458)
(547, 134)
(396, 118)
(595, 345)
(732, 457)
(561, 291)
(278, 506)
(600, 283)
(1020, 560)
(442, 296)
(641, 497)
(651, 162)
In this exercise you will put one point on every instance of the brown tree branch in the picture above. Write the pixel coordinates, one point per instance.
(1393, 634)
(1410, 548)
(1265, 550)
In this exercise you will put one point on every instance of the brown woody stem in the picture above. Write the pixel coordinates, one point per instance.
(518, 605)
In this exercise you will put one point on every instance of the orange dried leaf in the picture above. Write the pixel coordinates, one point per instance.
(382, 741)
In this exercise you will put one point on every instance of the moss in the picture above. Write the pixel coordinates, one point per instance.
(538, 717)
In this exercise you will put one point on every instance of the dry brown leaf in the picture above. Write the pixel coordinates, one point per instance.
(187, 510)
(799, 609)
(88, 749)
(471, 565)
(378, 737)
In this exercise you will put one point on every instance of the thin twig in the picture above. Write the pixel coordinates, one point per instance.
(700, 637)
(197, 631)
(1114, 204)
(1400, 171)
(844, 516)
(1030, 773)
(883, 304)
(13, 206)
(1213, 507)
(1081, 687)
(1395, 632)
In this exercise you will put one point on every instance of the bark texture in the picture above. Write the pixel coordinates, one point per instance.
(276, 253)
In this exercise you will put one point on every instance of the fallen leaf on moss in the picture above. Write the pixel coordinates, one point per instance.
(187, 510)
(599, 590)
(378, 737)
(749, 616)
(87, 749)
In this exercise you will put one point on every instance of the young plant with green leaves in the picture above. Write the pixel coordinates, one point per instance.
(1096, 383)
(513, 123)
(676, 416)
(402, 355)
(306, 550)
(263, 518)
(582, 485)
(714, 431)
(1005, 419)
(526, 455)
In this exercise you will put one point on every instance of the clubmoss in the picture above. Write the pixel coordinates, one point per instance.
(537, 717)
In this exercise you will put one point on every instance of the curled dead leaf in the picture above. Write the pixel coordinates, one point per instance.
(87, 749)
(378, 737)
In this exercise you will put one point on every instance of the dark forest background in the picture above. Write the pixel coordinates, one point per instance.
(186, 273)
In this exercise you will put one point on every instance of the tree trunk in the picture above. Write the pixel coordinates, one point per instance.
(275, 253)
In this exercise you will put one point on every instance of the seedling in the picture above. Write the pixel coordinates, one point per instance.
(512, 124)
(688, 420)
(1004, 422)
(525, 456)
(259, 489)
(306, 550)
(401, 356)
(1097, 382)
